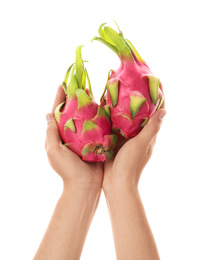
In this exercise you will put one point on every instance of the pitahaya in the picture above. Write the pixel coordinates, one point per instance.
(84, 125)
(132, 93)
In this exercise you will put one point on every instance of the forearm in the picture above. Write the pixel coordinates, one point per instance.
(132, 234)
(67, 230)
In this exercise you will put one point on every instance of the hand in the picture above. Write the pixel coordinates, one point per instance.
(125, 169)
(65, 162)
(70, 222)
(133, 237)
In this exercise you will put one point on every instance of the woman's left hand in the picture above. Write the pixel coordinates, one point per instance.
(65, 162)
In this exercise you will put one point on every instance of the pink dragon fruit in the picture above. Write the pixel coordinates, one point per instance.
(132, 93)
(84, 125)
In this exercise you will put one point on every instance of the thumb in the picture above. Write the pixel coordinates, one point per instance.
(151, 129)
(53, 139)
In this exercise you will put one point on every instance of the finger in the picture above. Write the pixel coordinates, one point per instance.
(151, 129)
(59, 98)
(53, 139)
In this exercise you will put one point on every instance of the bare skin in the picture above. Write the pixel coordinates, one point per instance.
(133, 237)
(82, 185)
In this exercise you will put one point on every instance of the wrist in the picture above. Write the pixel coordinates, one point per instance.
(90, 190)
(120, 198)
(82, 185)
(120, 187)
(85, 201)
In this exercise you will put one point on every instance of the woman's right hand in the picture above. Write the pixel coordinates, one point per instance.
(126, 167)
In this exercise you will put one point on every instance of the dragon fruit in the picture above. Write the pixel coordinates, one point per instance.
(132, 93)
(84, 125)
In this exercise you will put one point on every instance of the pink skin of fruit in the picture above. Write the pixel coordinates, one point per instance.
(132, 80)
(133, 93)
(78, 139)
(84, 125)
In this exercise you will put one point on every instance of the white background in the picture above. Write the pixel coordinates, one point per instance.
(37, 44)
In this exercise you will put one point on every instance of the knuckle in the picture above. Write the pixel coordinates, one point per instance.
(156, 128)
(149, 151)
(49, 129)
(51, 152)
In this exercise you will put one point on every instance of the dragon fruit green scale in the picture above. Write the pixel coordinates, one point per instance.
(84, 125)
(132, 93)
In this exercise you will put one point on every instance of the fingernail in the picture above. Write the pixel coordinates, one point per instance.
(162, 114)
(48, 117)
